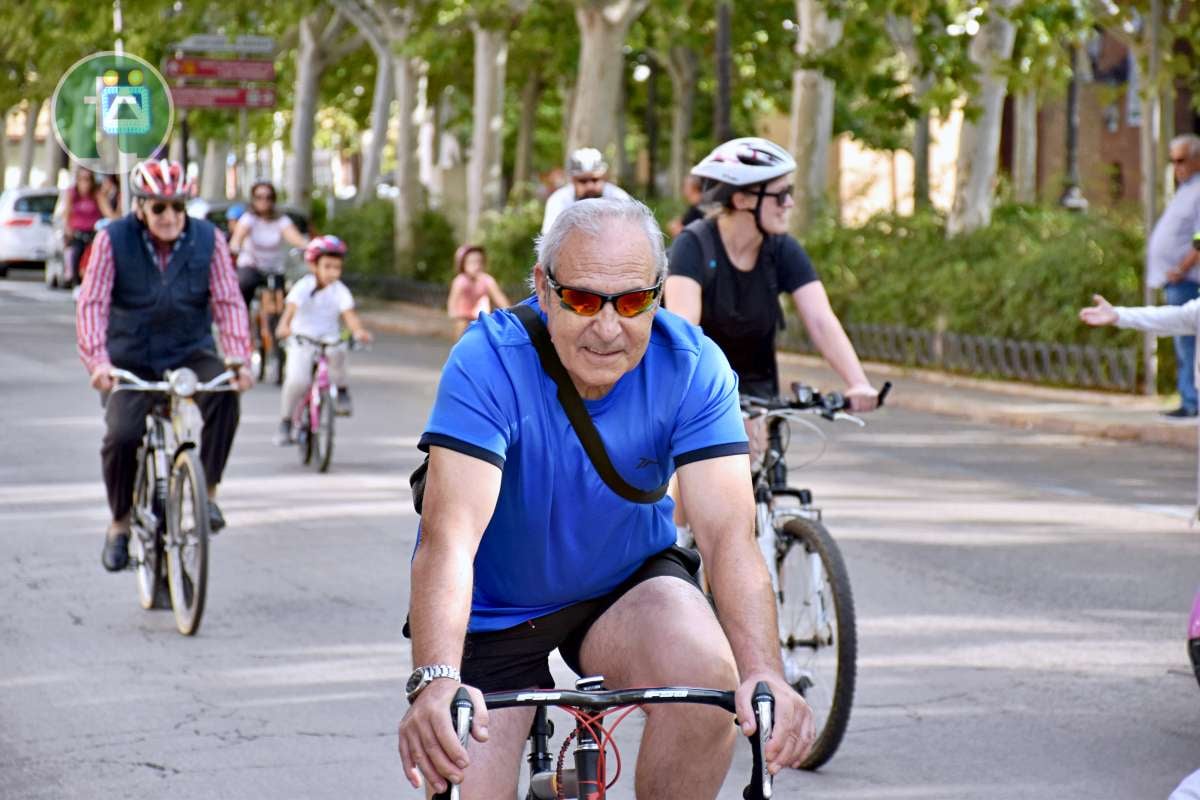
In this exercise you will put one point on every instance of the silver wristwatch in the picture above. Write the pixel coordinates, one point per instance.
(423, 676)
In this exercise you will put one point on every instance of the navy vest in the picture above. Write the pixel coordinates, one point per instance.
(159, 318)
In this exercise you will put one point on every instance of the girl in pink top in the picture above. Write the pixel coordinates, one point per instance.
(83, 205)
(473, 291)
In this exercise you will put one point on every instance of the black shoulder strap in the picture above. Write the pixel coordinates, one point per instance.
(578, 414)
(703, 230)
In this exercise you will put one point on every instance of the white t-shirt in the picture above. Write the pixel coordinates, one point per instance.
(319, 313)
(264, 247)
(564, 198)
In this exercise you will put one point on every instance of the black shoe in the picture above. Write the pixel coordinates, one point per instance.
(115, 556)
(216, 520)
(1183, 412)
(343, 406)
(283, 436)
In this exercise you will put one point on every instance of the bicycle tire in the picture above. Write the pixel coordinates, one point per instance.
(323, 436)
(187, 541)
(146, 539)
(797, 539)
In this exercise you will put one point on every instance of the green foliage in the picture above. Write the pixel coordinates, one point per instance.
(508, 238)
(368, 231)
(1025, 276)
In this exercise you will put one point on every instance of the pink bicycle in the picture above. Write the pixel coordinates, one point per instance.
(1194, 636)
(313, 417)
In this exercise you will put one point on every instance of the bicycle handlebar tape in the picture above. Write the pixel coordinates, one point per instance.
(763, 701)
(462, 714)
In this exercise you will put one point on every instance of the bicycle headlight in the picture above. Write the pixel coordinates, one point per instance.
(183, 382)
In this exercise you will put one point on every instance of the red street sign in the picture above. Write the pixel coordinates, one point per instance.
(222, 97)
(222, 69)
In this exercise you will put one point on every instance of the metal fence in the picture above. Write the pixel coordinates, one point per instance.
(985, 356)
(988, 356)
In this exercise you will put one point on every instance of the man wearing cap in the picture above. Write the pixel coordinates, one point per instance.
(589, 179)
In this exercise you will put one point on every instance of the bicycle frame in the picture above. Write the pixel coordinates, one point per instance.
(310, 404)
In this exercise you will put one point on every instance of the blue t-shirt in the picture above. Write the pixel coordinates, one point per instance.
(559, 535)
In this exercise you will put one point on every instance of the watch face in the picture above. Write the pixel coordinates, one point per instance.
(414, 681)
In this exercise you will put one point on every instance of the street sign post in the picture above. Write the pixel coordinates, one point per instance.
(223, 97)
(215, 43)
(219, 69)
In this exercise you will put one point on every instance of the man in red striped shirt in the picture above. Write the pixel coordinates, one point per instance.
(156, 282)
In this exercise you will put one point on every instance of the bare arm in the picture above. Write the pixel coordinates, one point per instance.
(683, 296)
(452, 525)
(240, 231)
(496, 294)
(717, 499)
(284, 328)
(452, 297)
(831, 341)
(105, 207)
(293, 236)
(350, 317)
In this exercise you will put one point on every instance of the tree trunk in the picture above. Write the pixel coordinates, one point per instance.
(28, 140)
(523, 166)
(483, 165)
(3, 150)
(309, 67)
(56, 159)
(682, 66)
(381, 102)
(722, 127)
(1025, 144)
(406, 160)
(979, 141)
(568, 100)
(603, 27)
(812, 114)
(622, 166)
(903, 35)
(921, 142)
(212, 176)
(651, 126)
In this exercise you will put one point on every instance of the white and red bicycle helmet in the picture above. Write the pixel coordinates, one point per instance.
(160, 178)
(324, 246)
(747, 165)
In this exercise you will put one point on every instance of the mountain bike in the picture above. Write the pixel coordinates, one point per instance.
(169, 520)
(590, 704)
(312, 419)
(815, 604)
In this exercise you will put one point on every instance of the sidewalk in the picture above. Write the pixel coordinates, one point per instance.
(1070, 411)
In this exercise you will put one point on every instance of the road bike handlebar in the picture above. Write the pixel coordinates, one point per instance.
(763, 702)
(832, 406)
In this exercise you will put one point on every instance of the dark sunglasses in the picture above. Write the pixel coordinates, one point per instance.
(781, 196)
(270, 197)
(1178, 160)
(159, 207)
(587, 303)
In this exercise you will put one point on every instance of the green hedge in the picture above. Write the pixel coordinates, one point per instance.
(368, 231)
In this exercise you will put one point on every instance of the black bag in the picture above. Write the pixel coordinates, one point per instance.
(705, 231)
(577, 413)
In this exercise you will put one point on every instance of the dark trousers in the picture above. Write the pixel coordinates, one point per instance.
(125, 417)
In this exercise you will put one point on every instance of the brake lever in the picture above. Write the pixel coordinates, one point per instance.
(462, 713)
(761, 783)
(842, 415)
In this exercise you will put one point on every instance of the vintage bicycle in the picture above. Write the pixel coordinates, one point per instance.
(169, 518)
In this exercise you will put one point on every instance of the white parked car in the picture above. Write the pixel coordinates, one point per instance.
(27, 236)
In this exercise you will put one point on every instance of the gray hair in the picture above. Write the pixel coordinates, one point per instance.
(588, 217)
(1189, 140)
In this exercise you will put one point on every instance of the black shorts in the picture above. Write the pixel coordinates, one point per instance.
(519, 657)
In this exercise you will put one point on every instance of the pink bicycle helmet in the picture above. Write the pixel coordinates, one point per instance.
(324, 246)
(160, 178)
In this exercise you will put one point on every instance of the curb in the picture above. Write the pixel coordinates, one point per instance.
(1062, 411)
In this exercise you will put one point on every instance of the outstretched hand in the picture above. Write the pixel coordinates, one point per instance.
(1102, 313)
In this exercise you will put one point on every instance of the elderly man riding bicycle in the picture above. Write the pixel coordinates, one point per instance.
(526, 546)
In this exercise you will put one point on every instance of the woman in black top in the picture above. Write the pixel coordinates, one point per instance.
(727, 271)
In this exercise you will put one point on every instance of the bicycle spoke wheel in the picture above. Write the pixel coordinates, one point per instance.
(145, 543)
(323, 435)
(816, 629)
(187, 541)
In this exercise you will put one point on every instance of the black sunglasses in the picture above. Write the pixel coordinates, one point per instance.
(587, 303)
(781, 196)
(158, 207)
(265, 196)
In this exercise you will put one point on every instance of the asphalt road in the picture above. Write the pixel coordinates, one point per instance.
(1022, 601)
